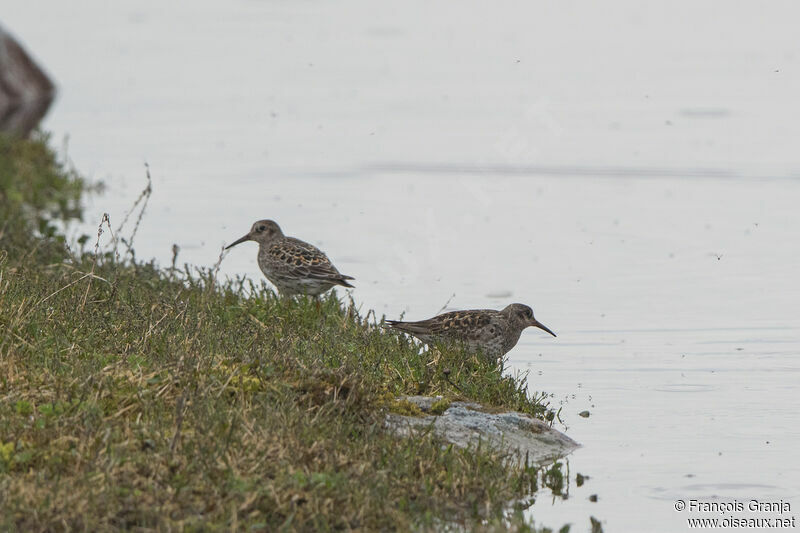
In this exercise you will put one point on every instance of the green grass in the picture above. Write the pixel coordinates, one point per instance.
(138, 397)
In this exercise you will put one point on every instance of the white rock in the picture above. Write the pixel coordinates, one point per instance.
(467, 423)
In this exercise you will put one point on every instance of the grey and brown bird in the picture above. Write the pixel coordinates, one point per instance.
(292, 265)
(485, 331)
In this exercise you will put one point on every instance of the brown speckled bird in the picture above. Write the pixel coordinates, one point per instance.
(486, 331)
(293, 266)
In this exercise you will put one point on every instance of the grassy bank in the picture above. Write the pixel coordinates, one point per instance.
(138, 397)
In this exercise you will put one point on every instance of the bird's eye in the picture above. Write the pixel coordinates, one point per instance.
(261, 228)
(529, 313)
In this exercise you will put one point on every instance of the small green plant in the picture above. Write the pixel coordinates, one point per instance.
(440, 406)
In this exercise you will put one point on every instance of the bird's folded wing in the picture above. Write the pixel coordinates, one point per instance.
(456, 324)
(301, 259)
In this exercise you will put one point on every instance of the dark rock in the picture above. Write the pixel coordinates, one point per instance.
(25, 90)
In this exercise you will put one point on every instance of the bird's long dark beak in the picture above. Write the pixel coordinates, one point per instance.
(245, 238)
(537, 324)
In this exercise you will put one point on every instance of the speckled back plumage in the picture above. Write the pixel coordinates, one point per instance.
(292, 265)
(486, 331)
(297, 267)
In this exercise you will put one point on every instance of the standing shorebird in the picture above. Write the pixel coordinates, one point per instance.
(292, 265)
(486, 331)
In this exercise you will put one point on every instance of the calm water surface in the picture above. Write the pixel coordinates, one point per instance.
(630, 171)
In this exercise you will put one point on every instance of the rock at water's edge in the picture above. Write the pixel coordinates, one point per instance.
(465, 423)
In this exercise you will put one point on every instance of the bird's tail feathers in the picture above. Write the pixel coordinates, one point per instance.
(343, 281)
(406, 327)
